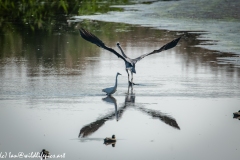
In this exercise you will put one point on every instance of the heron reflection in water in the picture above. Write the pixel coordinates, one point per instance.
(129, 102)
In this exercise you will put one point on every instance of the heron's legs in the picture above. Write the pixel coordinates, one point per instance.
(128, 74)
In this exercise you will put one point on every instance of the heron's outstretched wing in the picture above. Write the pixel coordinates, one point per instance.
(163, 48)
(95, 40)
(94, 126)
(163, 117)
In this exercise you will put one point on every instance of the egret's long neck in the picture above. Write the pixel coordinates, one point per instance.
(124, 55)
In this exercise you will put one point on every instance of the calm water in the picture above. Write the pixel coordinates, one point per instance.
(51, 86)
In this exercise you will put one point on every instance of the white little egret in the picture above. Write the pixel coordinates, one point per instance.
(113, 89)
(129, 63)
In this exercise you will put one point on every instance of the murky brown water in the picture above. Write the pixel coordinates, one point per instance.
(51, 89)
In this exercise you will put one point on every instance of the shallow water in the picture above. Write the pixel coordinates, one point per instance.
(182, 107)
(50, 96)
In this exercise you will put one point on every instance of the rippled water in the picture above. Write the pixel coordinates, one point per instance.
(51, 97)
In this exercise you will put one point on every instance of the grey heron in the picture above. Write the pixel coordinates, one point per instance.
(129, 63)
(113, 89)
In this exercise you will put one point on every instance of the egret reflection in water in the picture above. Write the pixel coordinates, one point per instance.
(111, 99)
(129, 102)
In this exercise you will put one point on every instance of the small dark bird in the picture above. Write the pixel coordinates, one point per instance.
(44, 154)
(111, 141)
(236, 115)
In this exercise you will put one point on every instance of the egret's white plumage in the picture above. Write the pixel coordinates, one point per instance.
(113, 89)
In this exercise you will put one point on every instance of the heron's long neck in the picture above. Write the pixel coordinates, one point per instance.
(124, 55)
(116, 82)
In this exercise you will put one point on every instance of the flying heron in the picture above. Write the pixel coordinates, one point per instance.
(129, 63)
(113, 89)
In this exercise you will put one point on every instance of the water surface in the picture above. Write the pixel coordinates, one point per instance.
(50, 95)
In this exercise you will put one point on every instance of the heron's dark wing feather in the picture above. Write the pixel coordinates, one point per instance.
(161, 116)
(167, 46)
(95, 40)
(94, 126)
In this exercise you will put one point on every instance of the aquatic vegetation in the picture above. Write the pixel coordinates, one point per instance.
(47, 14)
